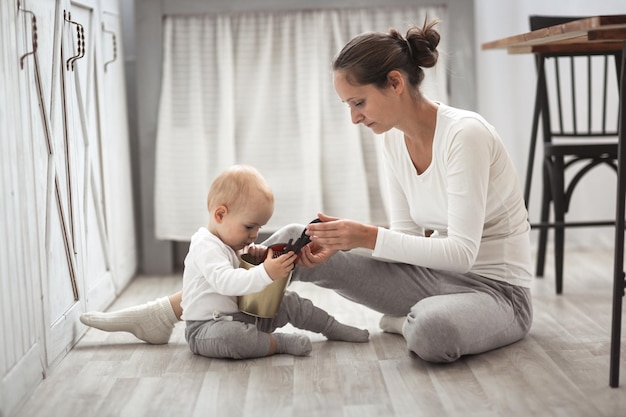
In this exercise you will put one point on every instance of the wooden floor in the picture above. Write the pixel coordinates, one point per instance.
(560, 369)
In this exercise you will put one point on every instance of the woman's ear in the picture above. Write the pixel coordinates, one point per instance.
(395, 80)
(219, 213)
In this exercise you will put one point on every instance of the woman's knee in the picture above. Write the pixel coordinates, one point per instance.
(431, 335)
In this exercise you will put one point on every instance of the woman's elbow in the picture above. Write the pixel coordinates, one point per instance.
(461, 268)
(464, 260)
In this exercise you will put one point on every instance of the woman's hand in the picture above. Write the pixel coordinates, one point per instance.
(313, 254)
(279, 267)
(341, 234)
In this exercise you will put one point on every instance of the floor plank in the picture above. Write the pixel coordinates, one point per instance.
(559, 369)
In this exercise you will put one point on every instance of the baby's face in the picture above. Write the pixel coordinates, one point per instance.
(240, 228)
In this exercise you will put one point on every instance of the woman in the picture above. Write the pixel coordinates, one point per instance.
(452, 273)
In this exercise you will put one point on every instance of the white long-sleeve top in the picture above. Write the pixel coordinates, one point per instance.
(470, 195)
(212, 279)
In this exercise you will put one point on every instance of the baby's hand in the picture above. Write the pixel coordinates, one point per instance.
(281, 266)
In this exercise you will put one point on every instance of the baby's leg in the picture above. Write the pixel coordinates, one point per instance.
(151, 322)
(238, 340)
(301, 313)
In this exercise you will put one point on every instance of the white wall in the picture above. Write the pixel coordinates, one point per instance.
(505, 92)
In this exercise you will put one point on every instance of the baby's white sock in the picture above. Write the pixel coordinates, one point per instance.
(151, 322)
(391, 324)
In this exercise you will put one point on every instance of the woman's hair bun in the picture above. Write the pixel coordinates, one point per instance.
(423, 42)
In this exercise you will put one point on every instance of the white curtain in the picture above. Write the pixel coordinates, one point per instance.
(256, 88)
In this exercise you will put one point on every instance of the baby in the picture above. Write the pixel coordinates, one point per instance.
(240, 202)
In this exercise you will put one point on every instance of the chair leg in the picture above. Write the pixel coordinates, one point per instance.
(559, 245)
(558, 197)
(545, 213)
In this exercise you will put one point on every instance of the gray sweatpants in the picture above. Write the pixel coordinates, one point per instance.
(240, 335)
(449, 314)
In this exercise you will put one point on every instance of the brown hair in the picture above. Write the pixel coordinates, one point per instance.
(236, 185)
(368, 58)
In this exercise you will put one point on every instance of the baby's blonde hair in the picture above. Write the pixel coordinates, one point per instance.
(236, 186)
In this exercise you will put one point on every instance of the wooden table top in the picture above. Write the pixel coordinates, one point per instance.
(597, 33)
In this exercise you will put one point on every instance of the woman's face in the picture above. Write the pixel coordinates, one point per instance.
(369, 105)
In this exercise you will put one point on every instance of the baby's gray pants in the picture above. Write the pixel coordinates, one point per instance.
(449, 314)
(240, 335)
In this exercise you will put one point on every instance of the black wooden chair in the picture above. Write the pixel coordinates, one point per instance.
(579, 128)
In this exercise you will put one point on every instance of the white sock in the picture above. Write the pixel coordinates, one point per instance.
(391, 324)
(151, 322)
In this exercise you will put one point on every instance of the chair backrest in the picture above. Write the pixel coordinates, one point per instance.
(540, 22)
(581, 99)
